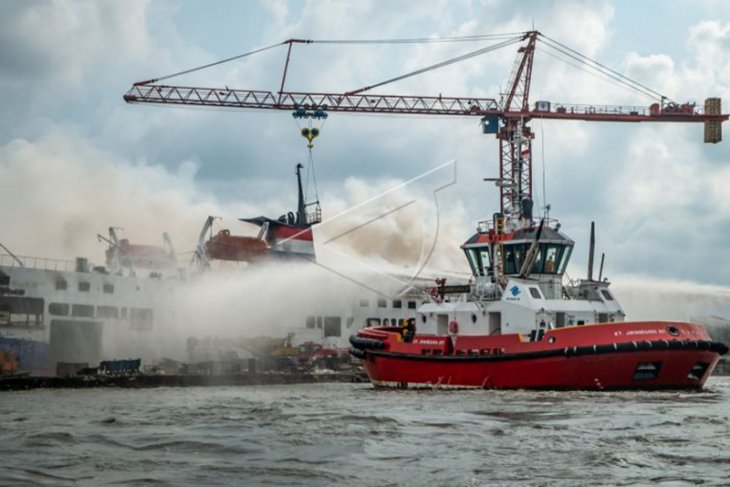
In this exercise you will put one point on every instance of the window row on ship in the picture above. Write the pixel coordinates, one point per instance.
(29, 312)
(396, 303)
(84, 286)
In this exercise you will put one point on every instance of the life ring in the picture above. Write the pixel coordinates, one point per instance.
(453, 328)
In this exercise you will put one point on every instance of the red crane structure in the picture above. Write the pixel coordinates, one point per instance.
(507, 117)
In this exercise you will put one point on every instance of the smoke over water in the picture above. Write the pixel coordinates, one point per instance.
(60, 191)
(646, 298)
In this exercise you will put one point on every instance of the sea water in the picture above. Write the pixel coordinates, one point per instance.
(353, 434)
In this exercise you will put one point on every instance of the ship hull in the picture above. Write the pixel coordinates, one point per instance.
(507, 362)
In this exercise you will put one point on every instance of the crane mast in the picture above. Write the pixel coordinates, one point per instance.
(515, 140)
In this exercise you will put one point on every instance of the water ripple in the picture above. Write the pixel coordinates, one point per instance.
(352, 434)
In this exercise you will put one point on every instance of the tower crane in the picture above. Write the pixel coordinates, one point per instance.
(507, 118)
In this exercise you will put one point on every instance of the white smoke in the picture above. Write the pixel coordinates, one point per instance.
(648, 298)
(61, 191)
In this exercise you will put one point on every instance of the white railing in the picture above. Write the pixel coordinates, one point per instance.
(37, 263)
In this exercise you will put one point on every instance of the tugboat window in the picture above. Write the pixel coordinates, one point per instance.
(535, 293)
(397, 303)
(606, 295)
(537, 266)
(486, 262)
(310, 322)
(564, 258)
(471, 255)
(511, 260)
(108, 288)
(382, 303)
(84, 286)
(61, 284)
(411, 305)
(551, 259)
(364, 303)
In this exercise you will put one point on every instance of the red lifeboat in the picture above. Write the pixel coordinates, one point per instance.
(144, 256)
(224, 246)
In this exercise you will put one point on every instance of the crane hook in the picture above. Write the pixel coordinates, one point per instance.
(310, 134)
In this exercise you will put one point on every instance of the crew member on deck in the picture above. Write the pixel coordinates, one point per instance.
(409, 329)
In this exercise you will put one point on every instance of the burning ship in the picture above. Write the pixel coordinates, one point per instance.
(57, 311)
(72, 312)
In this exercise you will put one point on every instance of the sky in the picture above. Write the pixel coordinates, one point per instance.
(75, 159)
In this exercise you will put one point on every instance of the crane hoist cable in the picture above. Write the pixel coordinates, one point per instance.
(601, 68)
(310, 168)
(209, 65)
(310, 132)
(597, 74)
(429, 40)
(506, 40)
(447, 62)
(421, 40)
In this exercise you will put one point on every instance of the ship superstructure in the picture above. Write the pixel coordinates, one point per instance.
(54, 311)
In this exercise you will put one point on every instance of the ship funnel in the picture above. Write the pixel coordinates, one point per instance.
(591, 251)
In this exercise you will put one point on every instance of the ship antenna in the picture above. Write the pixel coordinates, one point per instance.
(591, 250)
(600, 269)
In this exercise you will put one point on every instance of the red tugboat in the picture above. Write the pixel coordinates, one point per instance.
(517, 325)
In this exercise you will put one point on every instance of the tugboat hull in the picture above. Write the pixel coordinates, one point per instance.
(507, 362)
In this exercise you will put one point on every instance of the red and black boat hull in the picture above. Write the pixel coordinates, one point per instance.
(662, 362)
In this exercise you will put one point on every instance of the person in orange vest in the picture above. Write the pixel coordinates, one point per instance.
(550, 265)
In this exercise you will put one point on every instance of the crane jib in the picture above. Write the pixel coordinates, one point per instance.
(401, 104)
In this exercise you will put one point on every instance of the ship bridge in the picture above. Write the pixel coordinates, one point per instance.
(553, 249)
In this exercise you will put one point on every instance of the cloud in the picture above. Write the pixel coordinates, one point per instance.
(625, 177)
